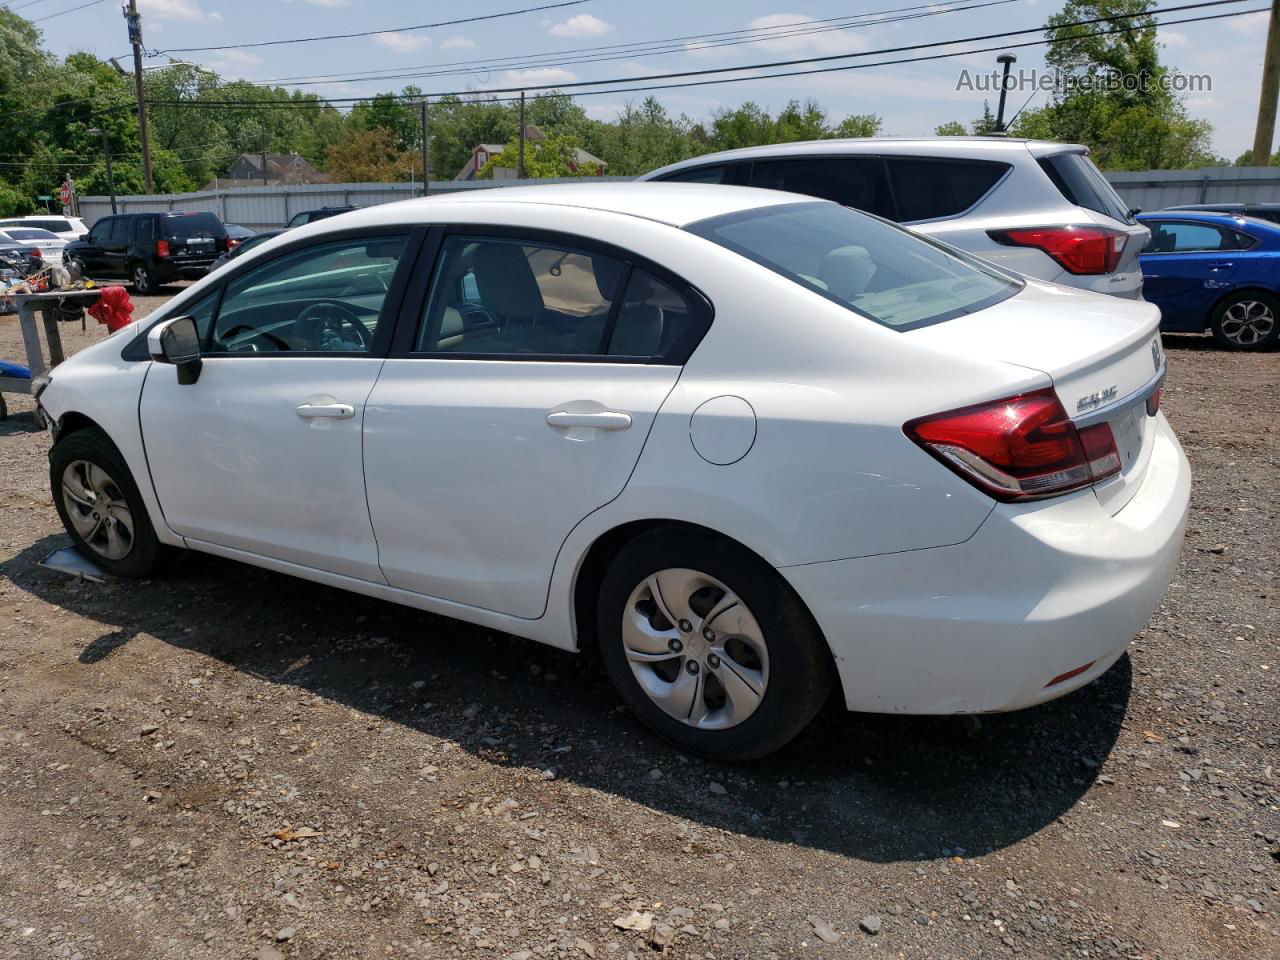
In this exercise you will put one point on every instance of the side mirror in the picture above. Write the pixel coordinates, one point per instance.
(176, 341)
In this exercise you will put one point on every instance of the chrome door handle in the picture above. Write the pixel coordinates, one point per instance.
(327, 411)
(605, 420)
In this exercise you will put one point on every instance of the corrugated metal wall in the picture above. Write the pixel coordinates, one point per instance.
(1154, 189)
(266, 208)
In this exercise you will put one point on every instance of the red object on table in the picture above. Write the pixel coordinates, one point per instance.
(114, 308)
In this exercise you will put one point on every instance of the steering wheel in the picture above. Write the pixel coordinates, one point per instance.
(325, 316)
(249, 345)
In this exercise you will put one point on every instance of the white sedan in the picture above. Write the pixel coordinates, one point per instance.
(756, 447)
(48, 245)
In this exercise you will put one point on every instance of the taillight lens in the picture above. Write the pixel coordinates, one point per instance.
(228, 243)
(162, 248)
(1079, 249)
(1153, 403)
(1021, 448)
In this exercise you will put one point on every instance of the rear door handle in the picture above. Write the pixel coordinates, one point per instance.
(326, 411)
(604, 420)
(1222, 265)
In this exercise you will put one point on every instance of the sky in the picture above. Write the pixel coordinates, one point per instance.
(912, 99)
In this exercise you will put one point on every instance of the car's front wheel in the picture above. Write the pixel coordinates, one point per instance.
(100, 507)
(709, 646)
(1246, 321)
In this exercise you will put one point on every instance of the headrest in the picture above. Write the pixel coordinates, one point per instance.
(846, 271)
(505, 279)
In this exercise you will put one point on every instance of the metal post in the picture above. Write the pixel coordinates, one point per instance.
(1264, 134)
(1008, 59)
(263, 157)
(520, 161)
(426, 151)
(134, 20)
(106, 153)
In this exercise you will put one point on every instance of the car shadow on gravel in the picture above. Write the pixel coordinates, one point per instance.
(880, 788)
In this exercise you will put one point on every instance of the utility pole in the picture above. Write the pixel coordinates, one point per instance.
(426, 150)
(134, 19)
(1266, 129)
(520, 161)
(106, 153)
(1008, 59)
(263, 157)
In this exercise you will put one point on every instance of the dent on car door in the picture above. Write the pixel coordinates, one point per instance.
(517, 404)
(262, 454)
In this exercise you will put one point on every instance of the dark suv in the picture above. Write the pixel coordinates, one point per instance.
(150, 248)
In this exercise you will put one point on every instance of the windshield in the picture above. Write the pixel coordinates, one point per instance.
(875, 268)
(185, 226)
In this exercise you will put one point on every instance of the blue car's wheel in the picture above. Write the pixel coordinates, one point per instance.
(1249, 320)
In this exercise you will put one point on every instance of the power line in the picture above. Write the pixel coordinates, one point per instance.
(759, 66)
(643, 48)
(23, 6)
(91, 3)
(370, 33)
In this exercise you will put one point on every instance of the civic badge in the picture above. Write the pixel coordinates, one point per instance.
(1096, 399)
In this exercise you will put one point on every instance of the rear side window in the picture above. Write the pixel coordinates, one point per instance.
(144, 228)
(183, 226)
(652, 317)
(856, 182)
(1183, 237)
(20, 233)
(883, 272)
(120, 228)
(926, 188)
(1083, 184)
(716, 173)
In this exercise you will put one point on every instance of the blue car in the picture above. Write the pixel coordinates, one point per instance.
(1214, 271)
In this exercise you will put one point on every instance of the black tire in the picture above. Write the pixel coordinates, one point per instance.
(800, 670)
(146, 554)
(144, 283)
(1248, 320)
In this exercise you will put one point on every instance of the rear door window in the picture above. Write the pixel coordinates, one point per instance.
(144, 228)
(928, 188)
(120, 228)
(857, 182)
(1183, 237)
(1083, 184)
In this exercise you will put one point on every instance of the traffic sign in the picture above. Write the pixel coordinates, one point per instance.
(64, 193)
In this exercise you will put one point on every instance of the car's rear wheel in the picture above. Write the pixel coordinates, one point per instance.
(1246, 321)
(709, 646)
(100, 507)
(143, 283)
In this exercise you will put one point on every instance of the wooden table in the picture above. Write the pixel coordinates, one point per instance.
(47, 304)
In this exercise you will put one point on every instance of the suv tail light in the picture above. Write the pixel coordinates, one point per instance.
(228, 243)
(1021, 448)
(1079, 249)
(162, 248)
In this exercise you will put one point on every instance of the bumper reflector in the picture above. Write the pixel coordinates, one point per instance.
(1062, 677)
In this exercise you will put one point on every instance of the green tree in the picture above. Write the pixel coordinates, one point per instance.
(952, 128)
(370, 156)
(552, 157)
(858, 125)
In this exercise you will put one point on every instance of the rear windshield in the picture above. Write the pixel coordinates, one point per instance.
(1083, 184)
(185, 225)
(26, 233)
(877, 269)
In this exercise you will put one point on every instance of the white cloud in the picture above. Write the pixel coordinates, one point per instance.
(583, 25)
(328, 3)
(402, 42)
(539, 76)
(176, 10)
(1250, 25)
(828, 41)
(1173, 38)
(242, 57)
(457, 43)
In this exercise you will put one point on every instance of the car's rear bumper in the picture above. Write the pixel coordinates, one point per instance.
(1041, 589)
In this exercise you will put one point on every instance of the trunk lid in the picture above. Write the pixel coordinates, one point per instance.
(1103, 355)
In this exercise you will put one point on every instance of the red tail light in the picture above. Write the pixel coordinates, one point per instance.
(1080, 250)
(1021, 448)
(228, 243)
(36, 254)
(1153, 403)
(162, 248)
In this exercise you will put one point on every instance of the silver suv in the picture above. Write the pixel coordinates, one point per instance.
(1040, 209)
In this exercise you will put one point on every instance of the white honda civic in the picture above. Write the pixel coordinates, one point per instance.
(753, 446)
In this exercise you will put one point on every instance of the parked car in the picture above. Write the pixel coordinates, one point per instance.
(244, 246)
(1260, 211)
(1217, 272)
(48, 245)
(751, 445)
(151, 249)
(16, 262)
(311, 216)
(237, 234)
(1041, 209)
(65, 228)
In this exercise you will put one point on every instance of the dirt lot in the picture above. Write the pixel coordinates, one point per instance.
(229, 763)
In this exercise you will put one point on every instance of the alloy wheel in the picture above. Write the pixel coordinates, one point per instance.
(695, 648)
(1248, 323)
(97, 509)
(141, 281)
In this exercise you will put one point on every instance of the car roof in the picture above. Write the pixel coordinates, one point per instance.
(971, 147)
(1207, 216)
(677, 204)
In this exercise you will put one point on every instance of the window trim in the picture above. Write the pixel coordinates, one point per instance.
(1253, 241)
(414, 308)
(388, 317)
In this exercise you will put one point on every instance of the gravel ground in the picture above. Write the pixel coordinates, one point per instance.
(229, 763)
